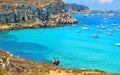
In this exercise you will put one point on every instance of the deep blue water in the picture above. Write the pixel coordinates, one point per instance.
(75, 50)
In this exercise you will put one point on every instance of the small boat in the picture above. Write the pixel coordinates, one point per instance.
(101, 26)
(109, 33)
(99, 30)
(78, 31)
(111, 14)
(117, 44)
(85, 27)
(117, 28)
(95, 36)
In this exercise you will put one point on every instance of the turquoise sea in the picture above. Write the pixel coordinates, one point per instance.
(74, 49)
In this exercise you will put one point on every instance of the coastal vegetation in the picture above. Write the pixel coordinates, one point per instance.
(16, 65)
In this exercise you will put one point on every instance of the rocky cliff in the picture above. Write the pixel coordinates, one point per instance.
(35, 12)
(16, 10)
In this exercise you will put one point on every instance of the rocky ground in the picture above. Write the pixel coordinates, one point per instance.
(15, 65)
(53, 20)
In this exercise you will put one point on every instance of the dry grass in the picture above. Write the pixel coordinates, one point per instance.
(39, 3)
(24, 66)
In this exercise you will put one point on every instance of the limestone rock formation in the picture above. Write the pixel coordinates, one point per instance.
(16, 14)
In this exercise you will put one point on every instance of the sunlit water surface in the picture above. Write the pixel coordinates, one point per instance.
(75, 50)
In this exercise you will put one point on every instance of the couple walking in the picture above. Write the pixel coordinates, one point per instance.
(55, 61)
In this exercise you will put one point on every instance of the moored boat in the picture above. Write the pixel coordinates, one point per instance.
(101, 26)
(109, 33)
(117, 44)
(85, 27)
(95, 36)
(111, 14)
(78, 31)
(117, 28)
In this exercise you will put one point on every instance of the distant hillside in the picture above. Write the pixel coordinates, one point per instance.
(74, 7)
(104, 11)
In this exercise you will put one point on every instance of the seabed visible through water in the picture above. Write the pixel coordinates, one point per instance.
(74, 44)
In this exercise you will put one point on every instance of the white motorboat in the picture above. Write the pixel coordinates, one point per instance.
(111, 14)
(117, 44)
(85, 27)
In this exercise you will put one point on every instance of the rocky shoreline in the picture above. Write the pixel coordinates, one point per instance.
(17, 14)
(16, 65)
(53, 21)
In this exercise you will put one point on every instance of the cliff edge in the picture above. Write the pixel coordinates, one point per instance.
(16, 14)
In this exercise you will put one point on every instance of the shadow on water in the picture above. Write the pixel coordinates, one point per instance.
(25, 49)
(5, 36)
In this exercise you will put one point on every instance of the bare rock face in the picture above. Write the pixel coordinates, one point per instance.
(16, 11)
(65, 19)
(25, 12)
(16, 14)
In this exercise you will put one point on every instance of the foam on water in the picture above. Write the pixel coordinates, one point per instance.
(75, 50)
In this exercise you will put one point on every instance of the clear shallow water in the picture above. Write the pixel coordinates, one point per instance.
(75, 50)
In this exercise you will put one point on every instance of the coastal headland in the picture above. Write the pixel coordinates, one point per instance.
(17, 14)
